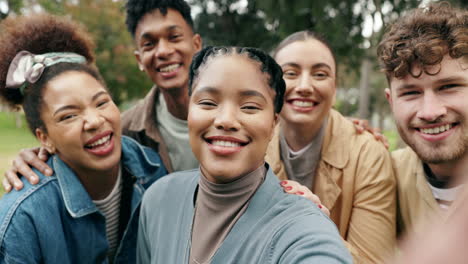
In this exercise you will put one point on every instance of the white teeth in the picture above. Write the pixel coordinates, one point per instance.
(169, 68)
(436, 130)
(100, 141)
(223, 143)
(302, 103)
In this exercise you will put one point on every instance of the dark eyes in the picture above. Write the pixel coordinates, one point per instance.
(448, 86)
(321, 74)
(101, 103)
(175, 37)
(206, 103)
(66, 117)
(250, 107)
(289, 74)
(409, 93)
(147, 44)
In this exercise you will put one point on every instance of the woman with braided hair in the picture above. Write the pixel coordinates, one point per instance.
(87, 211)
(232, 209)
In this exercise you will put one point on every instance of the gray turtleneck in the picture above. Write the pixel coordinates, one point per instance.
(217, 209)
(300, 166)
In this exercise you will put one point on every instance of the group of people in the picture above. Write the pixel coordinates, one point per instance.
(234, 156)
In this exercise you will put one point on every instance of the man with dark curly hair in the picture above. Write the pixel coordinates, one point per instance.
(425, 58)
(165, 44)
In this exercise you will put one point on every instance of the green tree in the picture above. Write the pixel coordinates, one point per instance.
(264, 23)
(105, 19)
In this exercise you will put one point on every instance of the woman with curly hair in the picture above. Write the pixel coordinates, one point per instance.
(232, 209)
(87, 212)
(315, 146)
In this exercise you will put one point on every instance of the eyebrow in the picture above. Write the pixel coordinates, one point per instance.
(214, 90)
(406, 87)
(206, 89)
(456, 79)
(250, 93)
(149, 34)
(67, 107)
(315, 66)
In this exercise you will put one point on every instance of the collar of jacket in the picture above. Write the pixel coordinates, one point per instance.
(148, 120)
(332, 141)
(138, 160)
(422, 185)
(335, 147)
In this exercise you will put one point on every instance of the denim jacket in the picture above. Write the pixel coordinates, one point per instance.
(56, 220)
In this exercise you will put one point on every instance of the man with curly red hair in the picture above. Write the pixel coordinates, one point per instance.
(425, 58)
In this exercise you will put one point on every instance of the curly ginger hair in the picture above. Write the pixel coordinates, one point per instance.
(422, 38)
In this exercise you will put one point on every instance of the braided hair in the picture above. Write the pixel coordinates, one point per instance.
(267, 65)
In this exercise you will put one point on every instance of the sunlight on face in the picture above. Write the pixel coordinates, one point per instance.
(309, 73)
(231, 117)
(82, 121)
(431, 112)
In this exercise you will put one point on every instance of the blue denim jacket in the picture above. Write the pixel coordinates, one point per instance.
(56, 220)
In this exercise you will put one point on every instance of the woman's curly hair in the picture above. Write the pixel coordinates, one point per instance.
(39, 34)
(422, 38)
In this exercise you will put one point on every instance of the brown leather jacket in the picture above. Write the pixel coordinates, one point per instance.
(139, 123)
(355, 181)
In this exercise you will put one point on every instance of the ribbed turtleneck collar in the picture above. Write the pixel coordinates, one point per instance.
(218, 207)
(227, 194)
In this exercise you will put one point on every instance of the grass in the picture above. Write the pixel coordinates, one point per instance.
(393, 139)
(12, 140)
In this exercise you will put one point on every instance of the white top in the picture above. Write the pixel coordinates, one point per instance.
(110, 208)
(174, 131)
(445, 197)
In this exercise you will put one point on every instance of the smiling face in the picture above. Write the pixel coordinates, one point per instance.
(165, 47)
(82, 122)
(431, 111)
(309, 73)
(231, 117)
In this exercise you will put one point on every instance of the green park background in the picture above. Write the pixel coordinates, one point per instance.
(353, 28)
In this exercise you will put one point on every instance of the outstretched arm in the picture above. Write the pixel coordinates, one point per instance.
(310, 239)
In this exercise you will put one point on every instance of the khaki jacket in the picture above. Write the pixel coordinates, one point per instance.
(355, 181)
(139, 123)
(416, 203)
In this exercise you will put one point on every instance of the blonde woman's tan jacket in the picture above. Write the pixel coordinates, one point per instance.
(354, 180)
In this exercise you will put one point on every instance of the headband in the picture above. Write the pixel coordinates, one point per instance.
(27, 67)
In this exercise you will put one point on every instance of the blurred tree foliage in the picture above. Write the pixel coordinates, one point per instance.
(105, 19)
(257, 23)
(265, 23)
